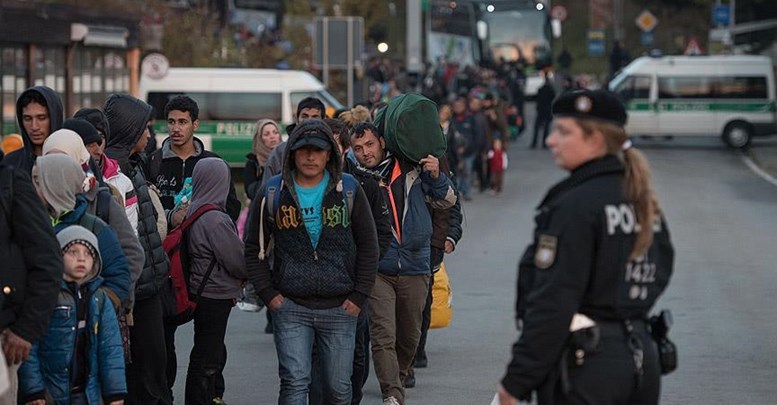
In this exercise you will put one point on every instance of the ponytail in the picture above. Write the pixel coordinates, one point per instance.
(637, 183)
(639, 190)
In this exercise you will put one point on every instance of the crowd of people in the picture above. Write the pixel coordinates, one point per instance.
(340, 241)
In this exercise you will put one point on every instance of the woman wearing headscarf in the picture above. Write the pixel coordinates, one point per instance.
(266, 137)
(59, 180)
(70, 143)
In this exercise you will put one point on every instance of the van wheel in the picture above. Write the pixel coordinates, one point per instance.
(737, 135)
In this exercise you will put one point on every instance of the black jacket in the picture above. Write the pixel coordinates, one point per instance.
(342, 266)
(25, 158)
(31, 260)
(128, 117)
(579, 263)
(167, 172)
(380, 211)
(252, 175)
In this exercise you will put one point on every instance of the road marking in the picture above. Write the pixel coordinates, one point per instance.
(757, 170)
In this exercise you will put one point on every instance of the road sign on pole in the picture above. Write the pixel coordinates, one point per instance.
(337, 44)
(693, 47)
(646, 21)
(721, 15)
(559, 12)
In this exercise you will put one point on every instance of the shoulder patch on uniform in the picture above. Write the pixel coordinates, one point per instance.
(546, 251)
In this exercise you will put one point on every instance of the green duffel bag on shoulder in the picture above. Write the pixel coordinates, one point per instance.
(411, 127)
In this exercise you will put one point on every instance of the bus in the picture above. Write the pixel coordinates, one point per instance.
(231, 100)
(491, 31)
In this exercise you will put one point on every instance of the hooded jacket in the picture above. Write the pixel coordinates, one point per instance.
(51, 361)
(127, 118)
(214, 235)
(70, 143)
(167, 172)
(60, 180)
(415, 193)
(343, 264)
(30, 257)
(25, 158)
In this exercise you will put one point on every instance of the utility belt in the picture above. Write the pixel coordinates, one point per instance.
(586, 335)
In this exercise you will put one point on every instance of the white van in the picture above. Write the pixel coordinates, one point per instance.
(231, 100)
(728, 96)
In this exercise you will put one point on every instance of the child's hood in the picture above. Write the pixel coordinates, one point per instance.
(79, 234)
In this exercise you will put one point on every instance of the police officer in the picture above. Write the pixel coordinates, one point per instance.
(601, 257)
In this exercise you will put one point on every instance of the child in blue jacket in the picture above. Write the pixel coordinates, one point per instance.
(80, 360)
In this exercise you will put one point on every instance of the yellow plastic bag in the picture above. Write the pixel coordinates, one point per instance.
(442, 310)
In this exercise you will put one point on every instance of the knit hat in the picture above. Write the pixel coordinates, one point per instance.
(76, 234)
(597, 104)
(83, 128)
(97, 118)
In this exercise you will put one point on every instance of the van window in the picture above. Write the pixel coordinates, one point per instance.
(741, 87)
(224, 106)
(712, 87)
(685, 87)
(634, 87)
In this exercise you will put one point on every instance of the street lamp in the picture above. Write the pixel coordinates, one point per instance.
(490, 8)
(383, 47)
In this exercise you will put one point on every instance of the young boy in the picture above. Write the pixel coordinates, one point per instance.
(80, 359)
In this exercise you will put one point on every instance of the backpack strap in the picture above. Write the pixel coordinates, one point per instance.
(90, 222)
(103, 210)
(349, 191)
(270, 200)
(205, 279)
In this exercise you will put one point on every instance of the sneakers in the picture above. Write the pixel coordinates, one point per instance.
(218, 401)
(391, 401)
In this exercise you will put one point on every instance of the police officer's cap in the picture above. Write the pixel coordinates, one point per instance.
(599, 104)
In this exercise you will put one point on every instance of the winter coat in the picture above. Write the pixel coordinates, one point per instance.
(128, 239)
(25, 158)
(252, 175)
(30, 257)
(415, 189)
(47, 370)
(343, 264)
(115, 271)
(128, 117)
(214, 234)
(167, 172)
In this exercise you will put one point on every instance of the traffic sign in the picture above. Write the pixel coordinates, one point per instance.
(595, 42)
(647, 38)
(693, 47)
(721, 15)
(559, 12)
(646, 21)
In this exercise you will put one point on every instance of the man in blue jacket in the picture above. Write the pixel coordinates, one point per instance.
(325, 254)
(398, 298)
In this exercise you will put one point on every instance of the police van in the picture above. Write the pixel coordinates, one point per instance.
(728, 96)
(231, 100)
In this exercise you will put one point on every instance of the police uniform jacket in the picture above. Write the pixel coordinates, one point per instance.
(579, 263)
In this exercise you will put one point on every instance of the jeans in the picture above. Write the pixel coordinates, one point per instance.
(464, 180)
(333, 331)
(361, 363)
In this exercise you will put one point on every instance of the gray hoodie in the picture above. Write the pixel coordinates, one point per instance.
(214, 235)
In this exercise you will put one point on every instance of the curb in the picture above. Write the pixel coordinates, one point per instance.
(758, 167)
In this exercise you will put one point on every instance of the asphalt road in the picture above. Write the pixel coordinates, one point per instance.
(723, 220)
